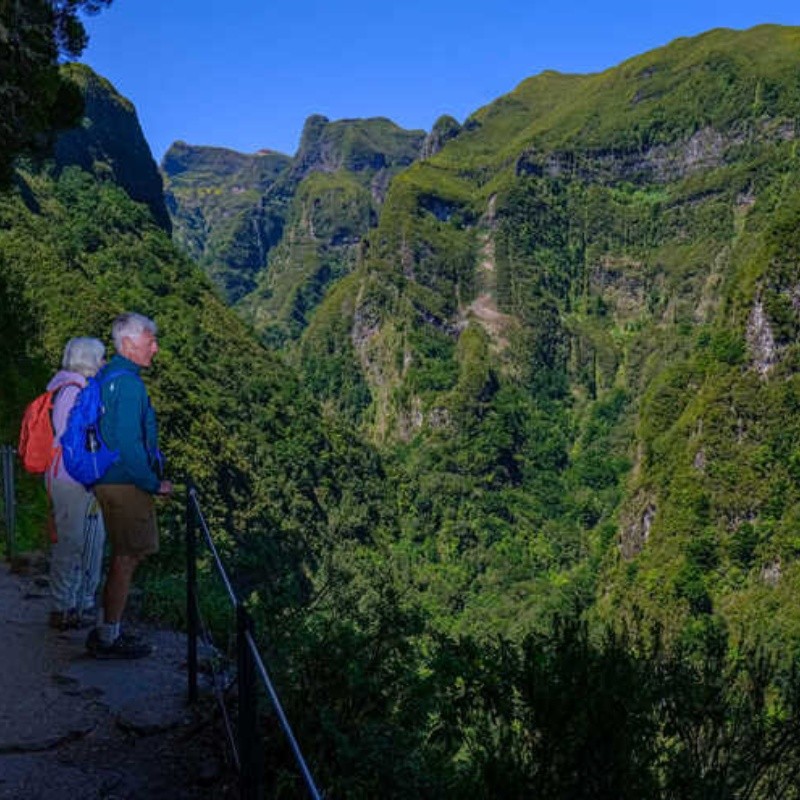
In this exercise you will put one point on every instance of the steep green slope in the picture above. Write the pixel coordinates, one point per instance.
(580, 244)
(582, 381)
(215, 199)
(38, 98)
(76, 249)
(275, 232)
(109, 143)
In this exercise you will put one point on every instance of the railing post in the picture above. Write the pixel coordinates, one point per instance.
(246, 742)
(9, 500)
(191, 592)
(249, 747)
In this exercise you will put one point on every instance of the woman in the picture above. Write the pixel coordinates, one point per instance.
(76, 557)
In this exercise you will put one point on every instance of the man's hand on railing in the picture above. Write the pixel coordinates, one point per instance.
(165, 489)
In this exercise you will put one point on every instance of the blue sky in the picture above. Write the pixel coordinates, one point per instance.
(245, 74)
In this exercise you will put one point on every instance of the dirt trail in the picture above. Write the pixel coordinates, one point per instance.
(76, 728)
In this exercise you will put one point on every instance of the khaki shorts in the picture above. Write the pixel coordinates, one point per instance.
(130, 518)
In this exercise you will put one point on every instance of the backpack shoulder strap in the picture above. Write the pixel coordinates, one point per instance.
(54, 392)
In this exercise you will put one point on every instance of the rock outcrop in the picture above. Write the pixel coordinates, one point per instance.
(760, 340)
(444, 129)
(110, 143)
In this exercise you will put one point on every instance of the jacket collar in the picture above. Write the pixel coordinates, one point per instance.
(119, 362)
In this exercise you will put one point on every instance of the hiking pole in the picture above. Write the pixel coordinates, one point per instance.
(9, 499)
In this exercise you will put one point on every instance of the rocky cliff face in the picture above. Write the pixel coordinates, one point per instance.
(355, 145)
(110, 144)
(615, 253)
(704, 149)
(216, 198)
(444, 129)
(272, 231)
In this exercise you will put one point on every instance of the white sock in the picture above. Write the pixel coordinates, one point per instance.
(108, 632)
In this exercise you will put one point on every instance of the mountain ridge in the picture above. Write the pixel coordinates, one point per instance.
(575, 262)
(535, 430)
(237, 228)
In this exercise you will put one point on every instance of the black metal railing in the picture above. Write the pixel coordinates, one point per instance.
(245, 741)
(244, 737)
(7, 454)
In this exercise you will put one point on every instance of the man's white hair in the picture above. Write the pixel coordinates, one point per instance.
(83, 355)
(130, 325)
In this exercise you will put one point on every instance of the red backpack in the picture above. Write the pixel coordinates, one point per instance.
(36, 438)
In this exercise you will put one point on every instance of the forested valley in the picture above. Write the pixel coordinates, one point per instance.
(497, 425)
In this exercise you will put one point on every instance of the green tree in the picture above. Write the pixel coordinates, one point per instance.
(35, 99)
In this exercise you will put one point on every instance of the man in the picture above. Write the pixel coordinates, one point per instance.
(125, 493)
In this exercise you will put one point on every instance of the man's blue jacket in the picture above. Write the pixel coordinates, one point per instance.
(128, 425)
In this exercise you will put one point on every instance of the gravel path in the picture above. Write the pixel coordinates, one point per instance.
(76, 728)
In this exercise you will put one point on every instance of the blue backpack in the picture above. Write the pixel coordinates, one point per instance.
(85, 455)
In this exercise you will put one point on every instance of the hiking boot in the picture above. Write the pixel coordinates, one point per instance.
(123, 647)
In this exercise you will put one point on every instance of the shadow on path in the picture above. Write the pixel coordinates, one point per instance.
(76, 728)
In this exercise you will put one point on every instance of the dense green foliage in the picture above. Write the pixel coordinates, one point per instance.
(214, 197)
(36, 97)
(558, 715)
(517, 515)
(546, 316)
(275, 232)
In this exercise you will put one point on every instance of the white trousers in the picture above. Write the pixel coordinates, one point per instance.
(76, 559)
